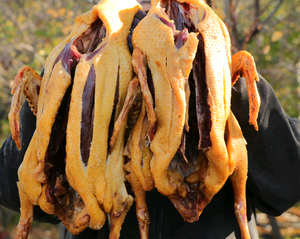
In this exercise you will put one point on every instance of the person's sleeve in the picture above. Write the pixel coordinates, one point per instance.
(273, 183)
(10, 160)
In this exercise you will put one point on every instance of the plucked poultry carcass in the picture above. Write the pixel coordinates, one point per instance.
(186, 139)
(68, 168)
(180, 137)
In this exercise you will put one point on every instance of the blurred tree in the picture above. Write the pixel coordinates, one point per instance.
(29, 31)
(268, 30)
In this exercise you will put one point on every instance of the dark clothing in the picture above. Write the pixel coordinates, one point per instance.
(10, 160)
(272, 187)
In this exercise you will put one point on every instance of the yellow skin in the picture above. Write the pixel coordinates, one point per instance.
(243, 62)
(155, 40)
(112, 63)
(138, 151)
(99, 185)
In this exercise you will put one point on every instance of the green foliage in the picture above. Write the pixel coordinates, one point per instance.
(279, 63)
(276, 48)
(29, 31)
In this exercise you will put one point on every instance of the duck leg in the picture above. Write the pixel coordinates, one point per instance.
(116, 202)
(27, 81)
(140, 200)
(238, 159)
(139, 66)
(133, 91)
(26, 218)
(243, 65)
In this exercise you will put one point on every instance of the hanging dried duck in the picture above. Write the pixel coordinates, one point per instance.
(182, 137)
(194, 140)
(67, 169)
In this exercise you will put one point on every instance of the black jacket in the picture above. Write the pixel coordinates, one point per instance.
(272, 187)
